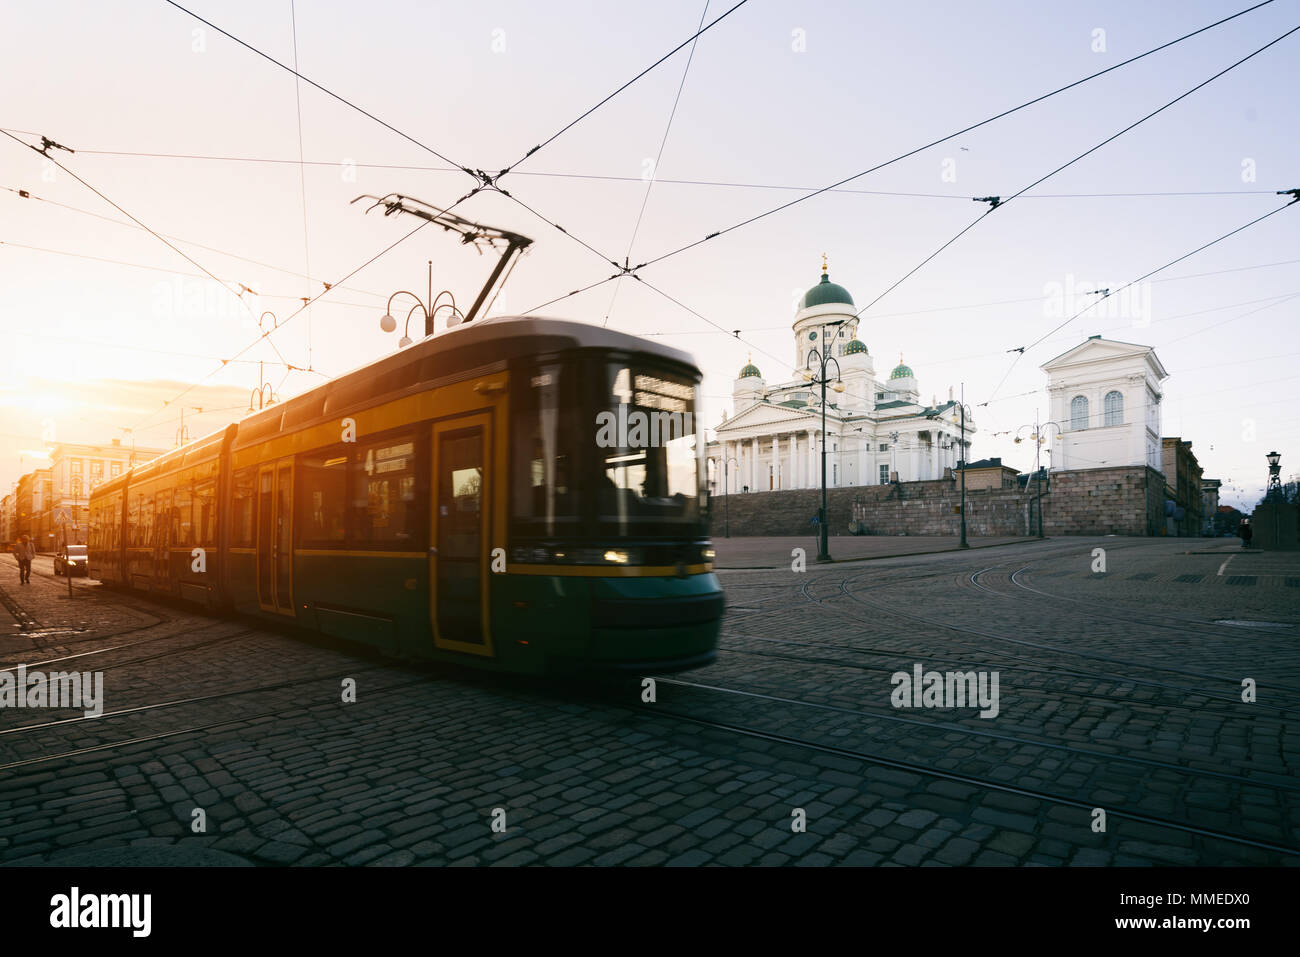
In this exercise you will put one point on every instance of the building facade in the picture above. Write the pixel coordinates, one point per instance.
(877, 430)
(989, 473)
(32, 508)
(77, 470)
(1183, 495)
(1104, 401)
(1209, 504)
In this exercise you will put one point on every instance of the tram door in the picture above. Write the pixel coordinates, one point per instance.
(459, 556)
(275, 537)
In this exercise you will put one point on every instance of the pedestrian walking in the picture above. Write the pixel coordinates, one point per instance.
(1245, 531)
(24, 551)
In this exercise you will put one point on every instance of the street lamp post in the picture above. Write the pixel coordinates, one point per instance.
(263, 395)
(962, 443)
(429, 307)
(823, 358)
(1038, 469)
(182, 433)
(1274, 492)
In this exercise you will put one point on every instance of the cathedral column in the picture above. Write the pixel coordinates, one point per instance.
(776, 461)
(862, 476)
(753, 466)
(796, 467)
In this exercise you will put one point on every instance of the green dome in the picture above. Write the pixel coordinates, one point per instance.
(901, 372)
(854, 347)
(750, 370)
(824, 293)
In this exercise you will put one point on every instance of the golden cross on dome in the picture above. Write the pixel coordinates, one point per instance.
(900, 358)
(824, 262)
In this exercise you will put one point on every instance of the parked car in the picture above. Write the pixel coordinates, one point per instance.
(70, 559)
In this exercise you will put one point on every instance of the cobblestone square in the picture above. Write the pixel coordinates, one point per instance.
(1144, 715)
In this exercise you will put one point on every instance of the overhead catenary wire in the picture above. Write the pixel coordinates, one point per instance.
(302, 170)
(997, 202)
(664, 181)
(330, 93)
(953, 135)
(663, 142)
(1020, 350)
(296, 312)
(570, 125)
(162, 239)
(27, 194)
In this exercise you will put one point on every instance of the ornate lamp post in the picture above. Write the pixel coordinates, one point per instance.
(1039, 438)
(429, 307)
(1274, 493)
(822, 358)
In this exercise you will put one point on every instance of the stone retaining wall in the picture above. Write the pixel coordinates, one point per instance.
(1084, 502)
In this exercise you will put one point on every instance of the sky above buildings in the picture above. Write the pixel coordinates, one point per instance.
(106, 328)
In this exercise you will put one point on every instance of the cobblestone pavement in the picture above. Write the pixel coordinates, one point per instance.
(1120, 691)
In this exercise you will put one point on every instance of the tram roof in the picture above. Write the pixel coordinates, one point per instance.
(468, 346)
(464, 347)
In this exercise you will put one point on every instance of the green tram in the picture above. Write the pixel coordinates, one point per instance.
(519, 494)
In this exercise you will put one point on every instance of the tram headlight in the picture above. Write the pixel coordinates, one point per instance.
(616, 557)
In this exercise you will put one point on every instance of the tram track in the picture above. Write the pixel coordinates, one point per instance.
(1041, 646)
(1186, 626)
(913, 767)
(1121, 701)
(951, 727)
(157, 706)
(142, 641)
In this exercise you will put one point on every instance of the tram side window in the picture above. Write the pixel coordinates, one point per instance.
(245, 482)
(182, 518)
(322, 495)
(385, 510)
(132, 520)
(116, 530)
(146, 521)
(163, 522)
(205, 514)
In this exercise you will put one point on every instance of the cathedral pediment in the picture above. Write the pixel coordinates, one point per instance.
(766, 414)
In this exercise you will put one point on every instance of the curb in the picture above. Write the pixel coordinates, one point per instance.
(872, 558)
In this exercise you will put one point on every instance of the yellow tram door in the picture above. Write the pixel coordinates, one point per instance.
(275, 537)
(459, 534)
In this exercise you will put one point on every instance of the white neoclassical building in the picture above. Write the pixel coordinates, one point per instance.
(876, 429)
(1104, 398)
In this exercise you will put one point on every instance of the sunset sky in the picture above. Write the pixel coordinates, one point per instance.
(106, 328)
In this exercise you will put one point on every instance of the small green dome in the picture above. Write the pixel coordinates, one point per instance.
(854, 347)
(825, 293)
(901, 372)
(750, 370)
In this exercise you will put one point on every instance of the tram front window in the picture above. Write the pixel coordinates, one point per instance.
(647, 449)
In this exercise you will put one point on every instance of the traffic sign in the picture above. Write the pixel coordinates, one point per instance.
(61, 516)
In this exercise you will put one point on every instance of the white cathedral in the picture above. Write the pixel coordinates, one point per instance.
(876, 431)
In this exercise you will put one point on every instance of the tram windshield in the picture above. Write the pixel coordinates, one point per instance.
(605, 449)
(646, 449)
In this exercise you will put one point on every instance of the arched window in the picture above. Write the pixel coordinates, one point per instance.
(1079, 412)
(1114, 408)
